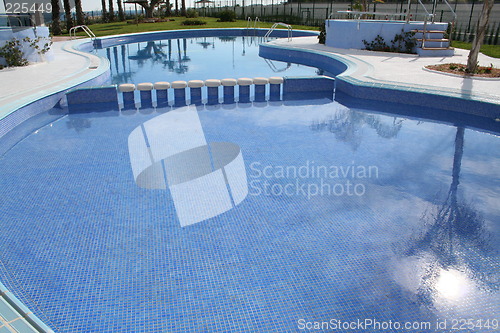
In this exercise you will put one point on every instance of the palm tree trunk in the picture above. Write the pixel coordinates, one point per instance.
(56, 24)
(168, 9)
(183, 8)
(104, 14)
(121, 15)
(80, 19)
(111, 11)
(67, 14)
(478, 39)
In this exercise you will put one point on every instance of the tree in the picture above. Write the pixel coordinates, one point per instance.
(121, 15)
(104, 14)
(67, 14)
(111, 14)
(149, 6)
(183, 8)
(80, 19)
(56, 24)
(482, 25)
(168, 8)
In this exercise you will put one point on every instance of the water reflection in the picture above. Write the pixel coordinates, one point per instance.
(347, 124)
(455, 245)
(78, 124)
(193, 59)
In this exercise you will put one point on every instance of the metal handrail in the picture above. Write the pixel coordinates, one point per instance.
(18, 17)
(450, 37)
(288, 26)
(255, 26)
(357, 15)
(72, 32)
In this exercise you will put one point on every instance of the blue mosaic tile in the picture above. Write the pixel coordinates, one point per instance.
(90, 251)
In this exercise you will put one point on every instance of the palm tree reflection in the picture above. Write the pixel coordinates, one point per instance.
(347, 124)
(455, 243)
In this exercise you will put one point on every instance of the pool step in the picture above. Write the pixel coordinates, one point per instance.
(432, 43)
(428, 31)
(440, 40)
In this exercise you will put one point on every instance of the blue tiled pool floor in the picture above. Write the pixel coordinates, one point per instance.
(413, 239)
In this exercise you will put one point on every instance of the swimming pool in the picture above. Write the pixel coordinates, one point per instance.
(375, 237)
(353, 215)
(198, 58)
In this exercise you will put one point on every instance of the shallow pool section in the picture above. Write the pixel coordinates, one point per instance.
(351, 216)
(199, 58)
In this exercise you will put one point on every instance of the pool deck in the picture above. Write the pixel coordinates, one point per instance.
(65, 68)
(407, 70)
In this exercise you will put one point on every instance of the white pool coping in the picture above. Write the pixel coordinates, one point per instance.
(406, 71)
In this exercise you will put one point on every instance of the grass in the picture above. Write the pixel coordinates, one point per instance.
(489, 50)
(117, 28)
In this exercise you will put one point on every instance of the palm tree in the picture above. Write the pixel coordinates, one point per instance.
(121, 15)
(168, 8)
(67, 14)
(80, 19)
(183, 8)
(104, 14)
(482, 26)
(111, 11)
(56, 24)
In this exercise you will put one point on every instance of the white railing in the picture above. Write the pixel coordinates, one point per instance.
(72, 32)
(288, 26)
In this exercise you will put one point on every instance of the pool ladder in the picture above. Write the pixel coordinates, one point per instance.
(256, 24)
(72, 32)
(288, 26)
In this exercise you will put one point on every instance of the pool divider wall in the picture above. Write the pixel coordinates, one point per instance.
(294, 88)
(357, 89)
(94, 98)
(308, 88)
(418, 96)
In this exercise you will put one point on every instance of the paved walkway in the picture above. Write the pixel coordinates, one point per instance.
(407, 70)
(64, 68)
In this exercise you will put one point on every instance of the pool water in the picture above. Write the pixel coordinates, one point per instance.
(198, 58)
(404, 225)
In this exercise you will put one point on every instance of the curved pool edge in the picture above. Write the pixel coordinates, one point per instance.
(96, 71)
(114, 40)
(357, 80)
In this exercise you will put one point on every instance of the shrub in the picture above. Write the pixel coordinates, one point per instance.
(378, 44)
(322, 34)
(193, 22)
(402, 43)
(12, 53)
(226, 16)
(191, 13)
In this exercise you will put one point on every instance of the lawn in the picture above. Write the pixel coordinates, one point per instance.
(117, 28)
(489, 50)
